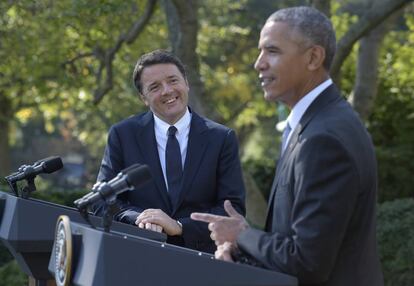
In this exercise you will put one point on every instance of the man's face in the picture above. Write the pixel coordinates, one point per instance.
(165, 91)
(282, 64)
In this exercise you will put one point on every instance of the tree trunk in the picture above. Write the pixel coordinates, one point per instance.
(5, 117)
(366, 82)
(365, 89)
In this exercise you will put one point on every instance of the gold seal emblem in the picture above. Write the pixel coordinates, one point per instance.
(63, 251)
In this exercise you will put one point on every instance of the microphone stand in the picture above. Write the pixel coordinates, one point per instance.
(26, 191)
(29, 188)
(111, 208)
(85, 214)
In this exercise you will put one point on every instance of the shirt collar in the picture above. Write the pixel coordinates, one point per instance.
(181, 124)
(300, 108)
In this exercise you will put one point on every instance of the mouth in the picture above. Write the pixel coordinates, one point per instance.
(171, 100)
(266, 80)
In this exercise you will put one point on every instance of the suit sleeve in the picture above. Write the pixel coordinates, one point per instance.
(229, 186)
(325, 190)
(112, 164)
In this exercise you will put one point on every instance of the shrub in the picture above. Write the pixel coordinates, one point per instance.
(11, 275)
(396, 241)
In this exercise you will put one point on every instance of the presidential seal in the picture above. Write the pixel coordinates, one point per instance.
(63, 251)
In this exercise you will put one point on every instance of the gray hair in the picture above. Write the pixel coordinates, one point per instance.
(314, 26)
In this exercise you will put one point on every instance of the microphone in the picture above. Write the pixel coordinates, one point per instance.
(126, 180)
(47, 165)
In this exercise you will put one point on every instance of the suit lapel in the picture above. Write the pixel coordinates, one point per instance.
(280, 164)
(197, 142)
(145, 138)
(329, 95)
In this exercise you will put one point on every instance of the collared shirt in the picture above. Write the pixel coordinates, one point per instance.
(161, 135)
(302, 105)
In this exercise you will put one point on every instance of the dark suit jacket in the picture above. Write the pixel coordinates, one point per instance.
(321, 221)
(212, 174)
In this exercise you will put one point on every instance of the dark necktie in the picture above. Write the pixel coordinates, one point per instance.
(285, 136)
(173, 164)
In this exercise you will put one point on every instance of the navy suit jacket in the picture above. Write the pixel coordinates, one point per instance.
(212, 174)
(321, 220)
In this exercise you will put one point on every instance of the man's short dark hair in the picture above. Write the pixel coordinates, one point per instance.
(153, 58)
(312, 25)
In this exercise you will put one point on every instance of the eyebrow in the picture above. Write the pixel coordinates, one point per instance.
(270, 46)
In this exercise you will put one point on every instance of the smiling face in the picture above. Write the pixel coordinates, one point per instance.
(165, 91)
(283, 64)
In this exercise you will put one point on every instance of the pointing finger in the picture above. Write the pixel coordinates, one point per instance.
(205, 217)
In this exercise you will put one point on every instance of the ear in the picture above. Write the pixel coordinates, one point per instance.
(144, 99)
(316, 57)
(186, 83)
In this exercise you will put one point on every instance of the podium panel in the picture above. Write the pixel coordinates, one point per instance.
(27, 228)
(108, 259)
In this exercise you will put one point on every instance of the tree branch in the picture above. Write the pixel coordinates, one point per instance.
(109, 55)
(368, 21)
(77, 57)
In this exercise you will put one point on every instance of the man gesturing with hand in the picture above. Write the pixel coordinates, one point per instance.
(321, 221)
(223, 229)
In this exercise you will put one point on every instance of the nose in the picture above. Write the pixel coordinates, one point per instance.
(260, 63)
(166, 88)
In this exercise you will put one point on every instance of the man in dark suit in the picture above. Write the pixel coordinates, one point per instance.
(194, 161)
(321, 222)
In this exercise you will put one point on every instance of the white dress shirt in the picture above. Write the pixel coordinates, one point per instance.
(302, 105)
(161, 135)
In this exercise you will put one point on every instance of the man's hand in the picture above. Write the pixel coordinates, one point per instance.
(224, 250)
(223, 228)
(160, 219)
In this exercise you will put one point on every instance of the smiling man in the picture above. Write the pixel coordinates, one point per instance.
(194, 161)
(321, 221)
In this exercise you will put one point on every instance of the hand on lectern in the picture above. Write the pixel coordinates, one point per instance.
(159, 218)
(150, 226)
(224, 251)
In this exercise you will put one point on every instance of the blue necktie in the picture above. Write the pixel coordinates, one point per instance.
(174, 168)
(285, 137)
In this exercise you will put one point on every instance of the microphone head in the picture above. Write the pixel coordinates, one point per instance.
(52, 164)
(137, 175)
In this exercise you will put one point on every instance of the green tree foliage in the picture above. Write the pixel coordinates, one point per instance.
(228, 49)
(392, 122)
(51, 65)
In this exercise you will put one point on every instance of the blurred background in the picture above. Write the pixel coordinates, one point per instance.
(65, 78)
